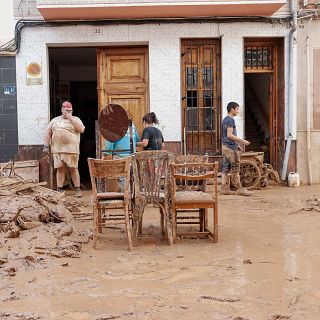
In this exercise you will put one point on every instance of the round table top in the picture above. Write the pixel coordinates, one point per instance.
(113, 122)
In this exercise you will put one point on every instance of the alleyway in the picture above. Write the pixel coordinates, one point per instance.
(265, 266)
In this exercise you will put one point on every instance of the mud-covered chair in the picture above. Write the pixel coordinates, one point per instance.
(151, 176)
(189, 217)
(106, 204)
(189, 195)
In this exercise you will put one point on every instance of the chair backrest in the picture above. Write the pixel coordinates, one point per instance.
(182, 184)
(194, 176)
(150, 168)
(102, 170)
(190, 158)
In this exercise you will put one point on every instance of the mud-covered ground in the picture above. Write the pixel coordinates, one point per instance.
(265, 266)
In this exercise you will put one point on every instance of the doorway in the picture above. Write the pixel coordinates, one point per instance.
(264, 98)
(73, 77)
(257, 122)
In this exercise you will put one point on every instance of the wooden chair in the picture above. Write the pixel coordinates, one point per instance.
(150, 168)
(103, 201)
(189, 217)
(189, 193)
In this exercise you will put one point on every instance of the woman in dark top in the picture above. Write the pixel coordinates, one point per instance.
(151, 138)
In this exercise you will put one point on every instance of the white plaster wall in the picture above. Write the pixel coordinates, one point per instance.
(302, 152)
(163, 41)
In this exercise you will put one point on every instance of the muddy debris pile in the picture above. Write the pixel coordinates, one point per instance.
(40, 218)
(312, 205)
(26, 205)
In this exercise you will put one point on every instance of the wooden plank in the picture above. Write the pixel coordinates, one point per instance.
(29, 185)
(23, 169)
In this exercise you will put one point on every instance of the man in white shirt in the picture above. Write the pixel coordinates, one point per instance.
(64, 133)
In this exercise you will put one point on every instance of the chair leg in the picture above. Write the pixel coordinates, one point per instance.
(135, 229)
(140, 226)
(174, 224)
(168, 225)
(162, 222)
(99, 219)
(215, 224)
(128, 227)
(137, 217)
(95, 226)
(201, 220)
(132, 211)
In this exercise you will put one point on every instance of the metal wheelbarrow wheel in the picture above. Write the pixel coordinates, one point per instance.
(250, 174)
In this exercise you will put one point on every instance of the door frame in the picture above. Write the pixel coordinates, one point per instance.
(276, 93)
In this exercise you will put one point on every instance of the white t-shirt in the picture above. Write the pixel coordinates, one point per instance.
(65, 139)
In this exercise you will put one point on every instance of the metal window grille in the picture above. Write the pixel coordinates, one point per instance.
(258, 57)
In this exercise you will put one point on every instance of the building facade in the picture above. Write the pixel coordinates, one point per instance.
(308, 97)
(184, 60)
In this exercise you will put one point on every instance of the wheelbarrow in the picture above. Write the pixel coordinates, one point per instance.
(254, 173)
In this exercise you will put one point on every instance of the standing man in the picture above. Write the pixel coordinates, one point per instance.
(64, 133)
(231, 152)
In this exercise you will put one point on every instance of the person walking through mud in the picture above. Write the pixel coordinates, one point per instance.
(231, 152)
(151, 138)
(64, 133)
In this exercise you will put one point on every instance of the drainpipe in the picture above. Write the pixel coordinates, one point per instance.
(308, 102)
(293, 29)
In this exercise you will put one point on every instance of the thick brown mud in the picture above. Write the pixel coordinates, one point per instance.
(265, 266)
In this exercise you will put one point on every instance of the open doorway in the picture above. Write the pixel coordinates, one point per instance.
(257, 102)
(73, 77)
(264, 97)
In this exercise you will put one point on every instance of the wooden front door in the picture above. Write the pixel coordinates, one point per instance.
(201, 102)
(123, 79)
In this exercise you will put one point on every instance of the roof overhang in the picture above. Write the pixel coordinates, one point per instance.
(149, 10)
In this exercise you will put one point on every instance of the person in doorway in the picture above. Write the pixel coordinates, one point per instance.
(151, 138)
(231, 147)
(122, 144)
(64, 134)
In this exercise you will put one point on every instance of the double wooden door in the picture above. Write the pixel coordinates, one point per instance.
(123, 79)
(201, 96)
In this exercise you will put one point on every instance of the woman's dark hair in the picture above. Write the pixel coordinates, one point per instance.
(232, 105)
(150, 118)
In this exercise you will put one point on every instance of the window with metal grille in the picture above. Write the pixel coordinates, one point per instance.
(258, 57)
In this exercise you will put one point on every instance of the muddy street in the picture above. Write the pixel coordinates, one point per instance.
(265, 266)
